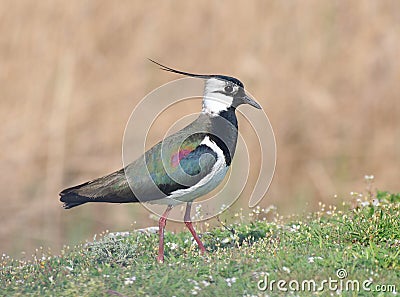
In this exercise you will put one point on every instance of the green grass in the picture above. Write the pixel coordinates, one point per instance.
(365, 241)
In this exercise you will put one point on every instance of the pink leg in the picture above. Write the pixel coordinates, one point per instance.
(161, 225)
(188, 224)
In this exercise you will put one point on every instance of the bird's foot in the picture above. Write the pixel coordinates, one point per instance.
(160, 259)
(189, 225)
(202, 249)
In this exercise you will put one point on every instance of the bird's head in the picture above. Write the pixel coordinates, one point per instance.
(220, 93)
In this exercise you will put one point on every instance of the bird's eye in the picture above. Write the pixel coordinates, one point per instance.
(228, 89)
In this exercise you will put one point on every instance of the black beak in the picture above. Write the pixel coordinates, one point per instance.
(250, 101)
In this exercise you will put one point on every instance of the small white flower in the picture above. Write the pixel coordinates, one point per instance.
(375, 202)
(205, 283)
(364, 203)
(369, 177)
(312, 259)
(129, 280)
(230, 281)
(226, 240)
(193, 281)
(286, 269)
(172, 245)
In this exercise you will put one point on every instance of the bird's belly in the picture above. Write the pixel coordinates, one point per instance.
(204, 186)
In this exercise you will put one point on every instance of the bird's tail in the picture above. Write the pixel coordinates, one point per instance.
(112, 188)
(72, 198)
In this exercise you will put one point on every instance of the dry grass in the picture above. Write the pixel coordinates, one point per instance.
(327, 74)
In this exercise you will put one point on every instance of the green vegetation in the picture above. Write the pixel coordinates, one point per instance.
(363, 239)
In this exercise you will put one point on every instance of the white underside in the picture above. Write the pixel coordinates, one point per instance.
(205, 185)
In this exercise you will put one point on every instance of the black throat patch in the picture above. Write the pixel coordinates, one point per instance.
(224, 133)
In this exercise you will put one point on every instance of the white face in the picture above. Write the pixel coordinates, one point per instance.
(218, 95)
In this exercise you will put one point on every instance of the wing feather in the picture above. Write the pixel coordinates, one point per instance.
(179, 162)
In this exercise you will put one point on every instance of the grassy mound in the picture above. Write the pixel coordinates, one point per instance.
(359, 244)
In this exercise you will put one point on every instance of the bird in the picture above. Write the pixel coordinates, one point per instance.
(183, 166)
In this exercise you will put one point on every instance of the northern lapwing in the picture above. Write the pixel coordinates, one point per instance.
(183, 166)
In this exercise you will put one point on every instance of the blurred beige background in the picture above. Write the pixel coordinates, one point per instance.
(326, 72)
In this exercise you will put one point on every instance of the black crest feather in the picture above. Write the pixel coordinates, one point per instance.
(204, 76)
